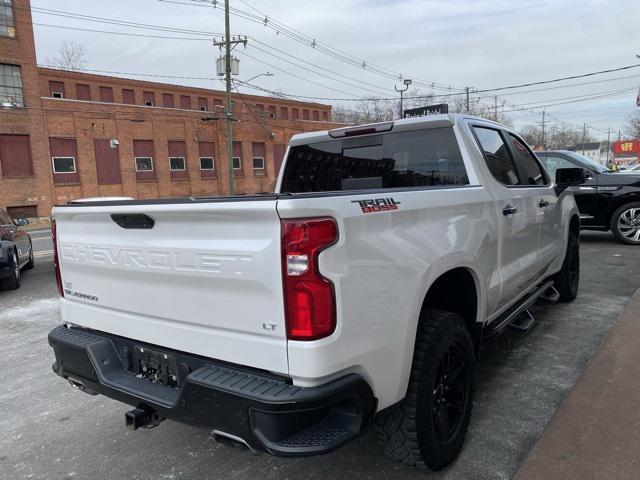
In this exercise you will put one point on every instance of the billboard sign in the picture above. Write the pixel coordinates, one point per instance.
(626, 147)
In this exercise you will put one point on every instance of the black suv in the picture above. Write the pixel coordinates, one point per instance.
(16, 251)
(606, 200)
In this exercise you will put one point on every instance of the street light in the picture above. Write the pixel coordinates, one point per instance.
(266, 74)
(407, 82)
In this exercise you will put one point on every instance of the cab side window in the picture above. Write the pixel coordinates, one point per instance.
(497, 156)
(530, 170)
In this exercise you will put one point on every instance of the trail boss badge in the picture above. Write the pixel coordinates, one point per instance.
(377, 205)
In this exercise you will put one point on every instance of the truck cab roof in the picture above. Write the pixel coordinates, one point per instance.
(400, 125)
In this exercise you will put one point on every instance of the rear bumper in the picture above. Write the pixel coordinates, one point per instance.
(263, 411)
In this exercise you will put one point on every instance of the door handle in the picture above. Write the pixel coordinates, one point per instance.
(543, 203)
(509, 210)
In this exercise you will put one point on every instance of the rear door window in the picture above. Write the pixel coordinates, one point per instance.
(422, 158)
(497, 156)
(530, 170)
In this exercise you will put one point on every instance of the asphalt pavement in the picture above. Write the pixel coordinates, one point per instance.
(50, 431)
(42, 244)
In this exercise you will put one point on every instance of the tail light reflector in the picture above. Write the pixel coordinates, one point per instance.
(309, 297)
(56, 260)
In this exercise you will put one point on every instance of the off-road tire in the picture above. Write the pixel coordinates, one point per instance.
(12, 282)
(615, 227)
(567, 280)
(408, 430)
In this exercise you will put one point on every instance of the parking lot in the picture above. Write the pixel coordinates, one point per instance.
(51, 431)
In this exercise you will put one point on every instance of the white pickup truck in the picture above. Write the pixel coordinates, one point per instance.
(359, 293)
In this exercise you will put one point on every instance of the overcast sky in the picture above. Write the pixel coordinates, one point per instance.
(477, 43)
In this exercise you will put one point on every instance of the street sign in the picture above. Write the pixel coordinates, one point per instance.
(428, 110)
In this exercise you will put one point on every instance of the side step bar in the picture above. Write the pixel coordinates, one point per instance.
(512, 316)
(526, 320)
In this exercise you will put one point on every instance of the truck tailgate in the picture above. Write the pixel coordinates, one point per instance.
(205, 279)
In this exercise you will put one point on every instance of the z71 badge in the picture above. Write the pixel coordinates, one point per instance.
(377, 205)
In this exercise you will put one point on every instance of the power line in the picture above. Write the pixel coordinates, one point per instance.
(114, 21)
(329, 77)
(579, 100)
(572, 77)
(126, 34)
(293, 74)
(255, 40)
(281, 28)
(211, 34)
(112, 72)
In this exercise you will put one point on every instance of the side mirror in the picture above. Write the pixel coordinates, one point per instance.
(569, 177)
(21, 222)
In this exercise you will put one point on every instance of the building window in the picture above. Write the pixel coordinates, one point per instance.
(305, 114)
(258, 163)
(83, 91)
(316, 115)
(167, 100)
(7, 22)
(144, 164)
(128, 96)
(56, 89)
(64, 165)
(284, 113)
(185, 102)
(325, 116)
(10, 86)
(106, 94)
(15, 156)
(258, 154)
(295, 114)
(149, 99)
(272, 111)
(203, 104)
(206, 163)
(176, 164)
(236, 160)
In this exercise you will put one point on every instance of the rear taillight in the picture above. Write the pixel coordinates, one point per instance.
(56, 260)
(309, 297)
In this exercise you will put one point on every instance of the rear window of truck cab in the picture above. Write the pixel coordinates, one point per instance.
(421, 158)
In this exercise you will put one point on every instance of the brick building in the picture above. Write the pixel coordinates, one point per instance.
(66, 135)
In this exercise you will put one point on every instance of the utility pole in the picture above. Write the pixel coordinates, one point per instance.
(495, 108)
(608, 143)
(227, 43)
(466, 89)
(584, 135)
(543, 124)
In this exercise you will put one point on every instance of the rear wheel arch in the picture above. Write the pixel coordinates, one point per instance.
(457, 291)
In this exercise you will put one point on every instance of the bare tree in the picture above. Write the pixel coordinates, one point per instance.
(631, 128)
(379, 109)
(557, 137)
(70, 56)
